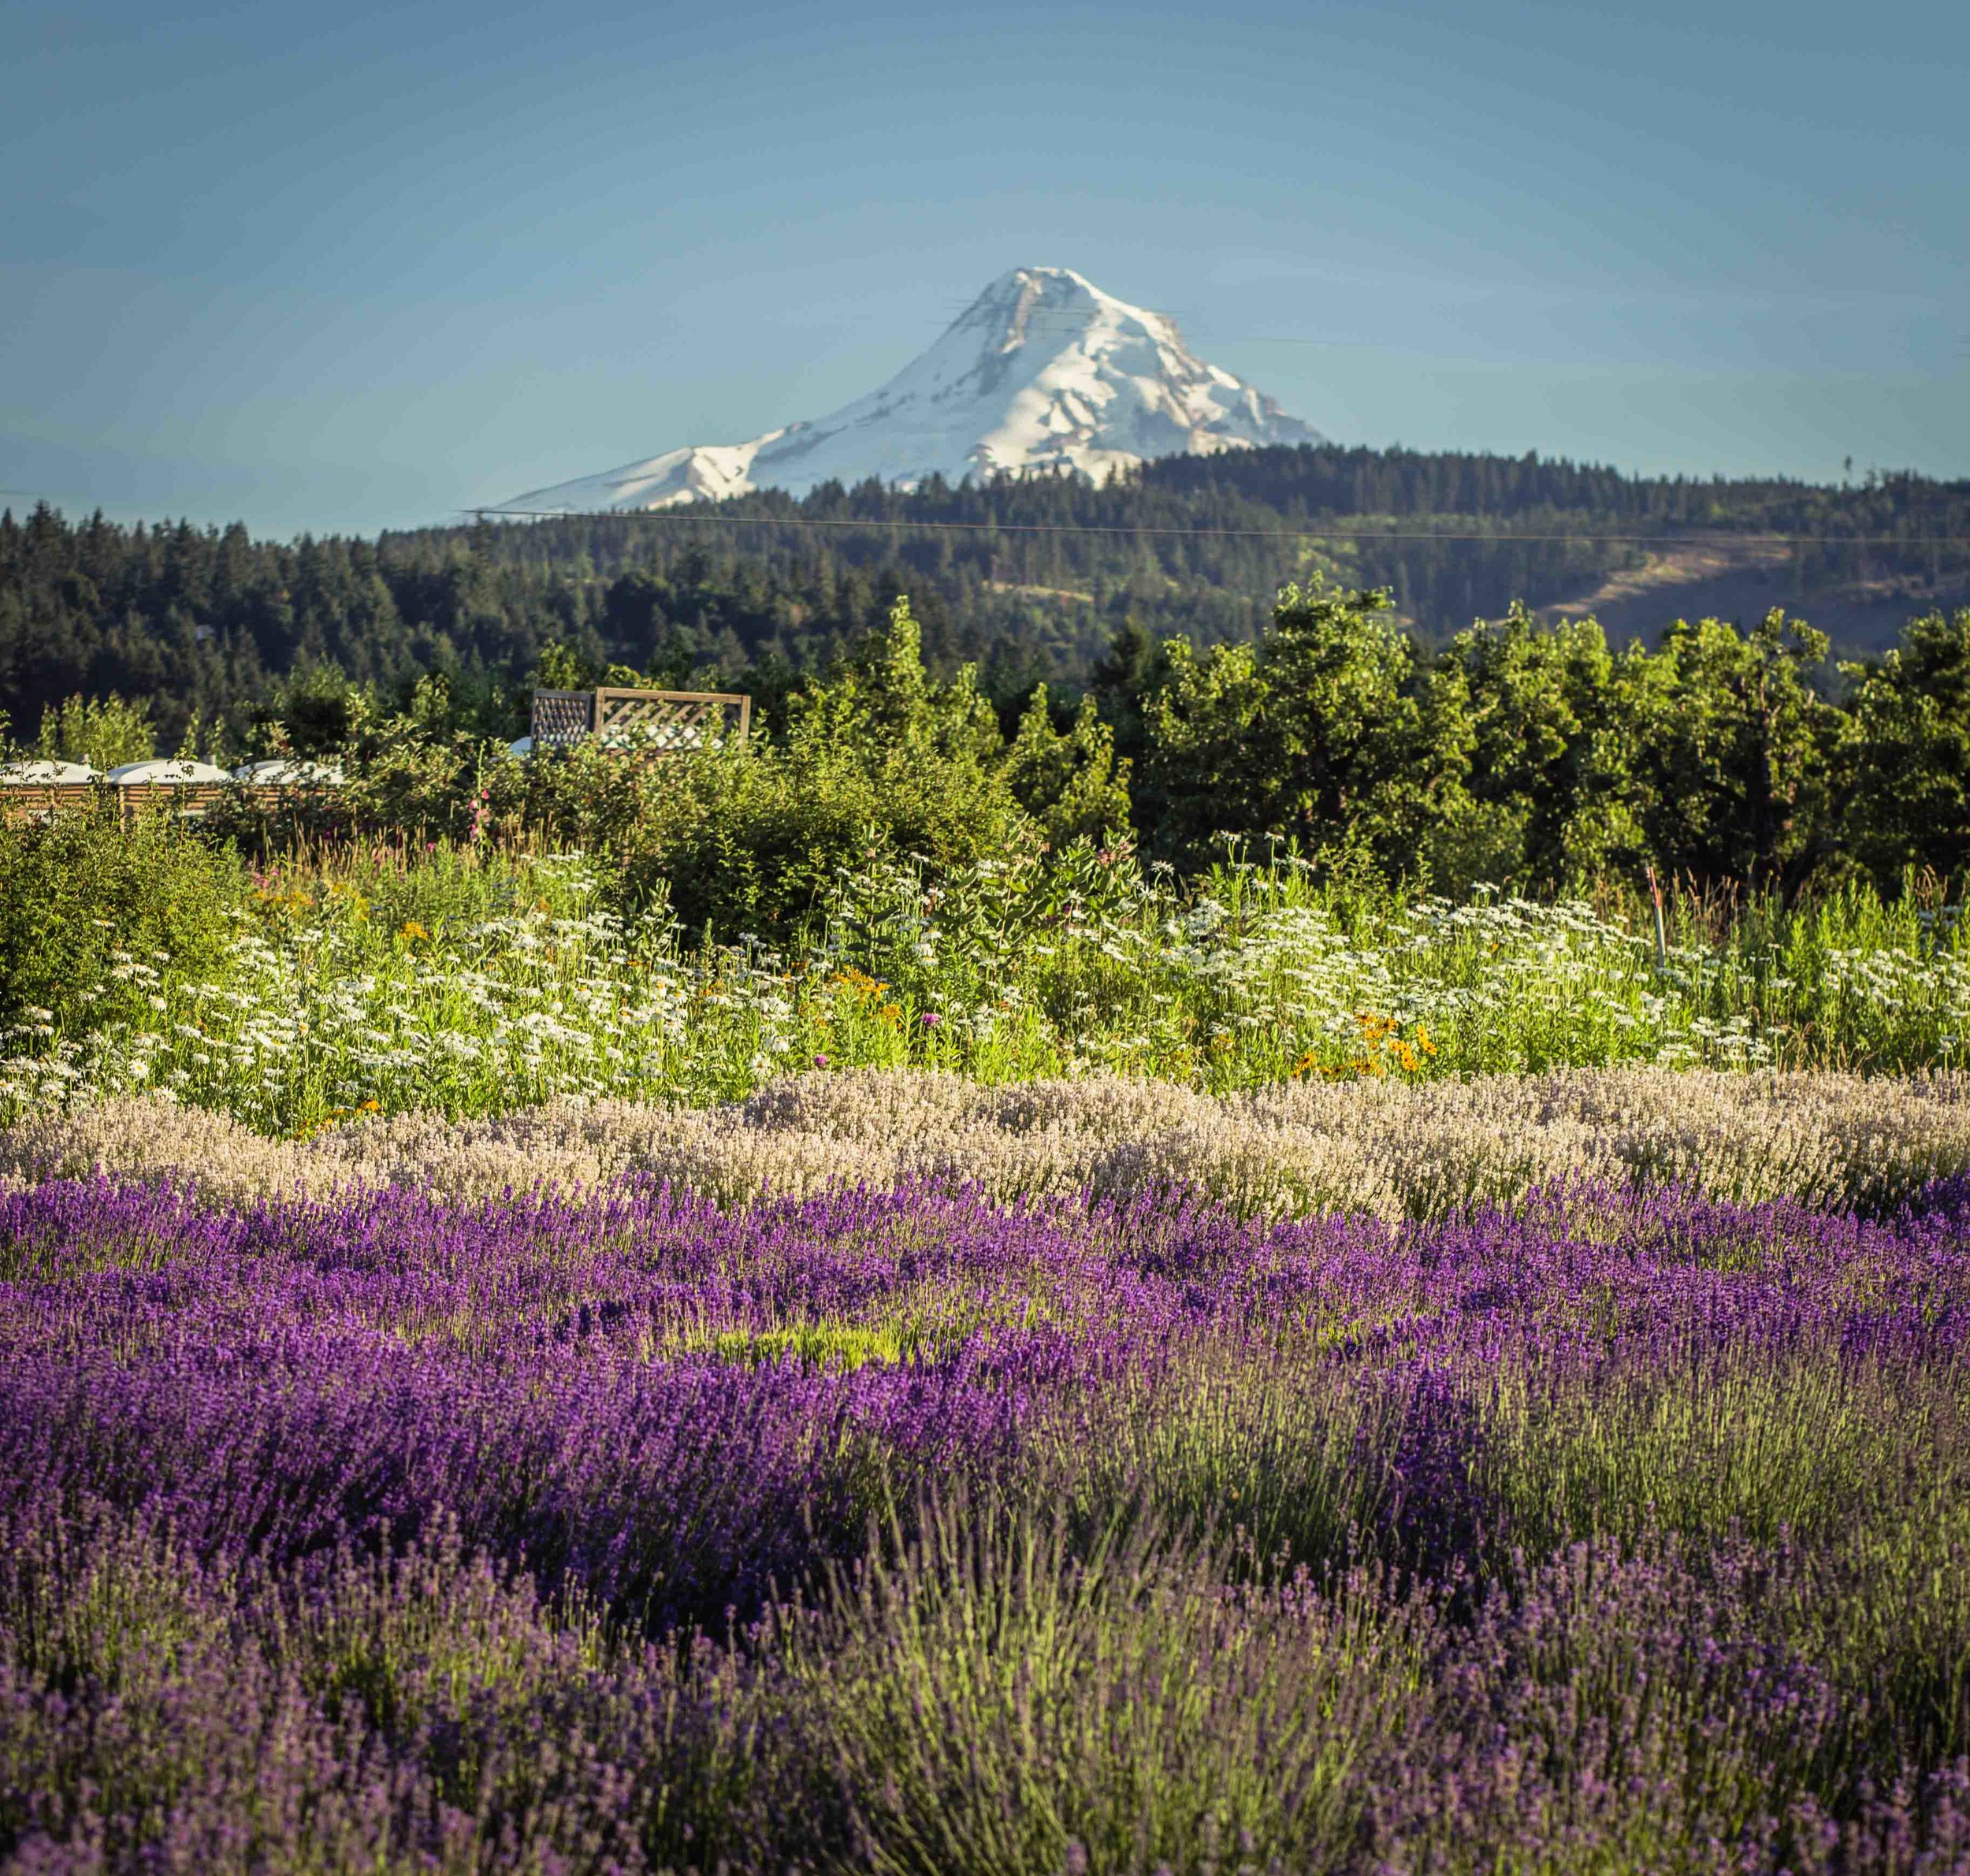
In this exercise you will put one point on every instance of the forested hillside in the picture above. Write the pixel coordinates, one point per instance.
(1031, 579)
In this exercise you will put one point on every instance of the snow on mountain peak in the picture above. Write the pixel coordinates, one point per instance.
(1042, 371)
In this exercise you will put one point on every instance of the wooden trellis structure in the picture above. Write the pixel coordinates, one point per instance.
(661, 722)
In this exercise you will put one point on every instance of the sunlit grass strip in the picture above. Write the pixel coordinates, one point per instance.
(477, 988)
(1387, 1148)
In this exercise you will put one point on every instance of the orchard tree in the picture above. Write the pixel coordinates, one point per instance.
(1324, 731)
(1905, 767)
(1728, 743)
(1550, 779)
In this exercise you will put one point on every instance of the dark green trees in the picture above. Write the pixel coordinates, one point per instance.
(1524, 753)
(1905, 764)
(1326, 728)
(1547, 760)
(1728, 748)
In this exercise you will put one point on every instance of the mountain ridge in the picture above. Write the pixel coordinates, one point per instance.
(1043, 372)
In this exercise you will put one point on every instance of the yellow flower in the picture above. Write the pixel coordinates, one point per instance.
(857, 983)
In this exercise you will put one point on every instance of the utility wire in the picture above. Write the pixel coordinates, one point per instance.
(684, 514)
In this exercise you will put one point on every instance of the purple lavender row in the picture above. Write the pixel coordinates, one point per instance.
(1614, 1531)
(666, 1403)
(640, 1264)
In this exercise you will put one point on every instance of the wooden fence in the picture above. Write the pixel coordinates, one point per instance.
(664, 721)
(41, 800)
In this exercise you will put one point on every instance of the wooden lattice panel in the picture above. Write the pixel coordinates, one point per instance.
(562, 716)
(649, 720)
(670, 720)
(656, 722)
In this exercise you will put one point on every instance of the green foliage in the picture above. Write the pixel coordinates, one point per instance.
(1148, 1717)
(1729, 744)
(881, 704)
(754, 843)
(318, 712)
(93, 913)
(1521, 754)
(206, 623)
(473, 979)
(878, 760)
(1524, 753)
(1548, 770)
(1905, 762)
(104, 732)
(1325, 730)
(1071, 783)
(565, 667)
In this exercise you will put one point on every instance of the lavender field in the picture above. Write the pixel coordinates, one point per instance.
(398, 1521)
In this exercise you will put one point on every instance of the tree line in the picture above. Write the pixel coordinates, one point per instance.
(1511, 750)
(204, 625)
(1535, 755)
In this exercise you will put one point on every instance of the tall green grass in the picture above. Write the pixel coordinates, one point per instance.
(474, 982)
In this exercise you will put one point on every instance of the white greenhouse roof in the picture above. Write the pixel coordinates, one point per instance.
(166, 773)
(24, 774)
(288, 768)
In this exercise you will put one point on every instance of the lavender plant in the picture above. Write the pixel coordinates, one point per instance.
(907, 1528)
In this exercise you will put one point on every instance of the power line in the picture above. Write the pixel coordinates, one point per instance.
(685, 514)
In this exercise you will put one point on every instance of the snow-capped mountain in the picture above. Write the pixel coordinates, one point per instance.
(1042, 371)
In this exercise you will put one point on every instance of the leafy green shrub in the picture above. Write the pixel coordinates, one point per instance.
(755, 842)
(104, 732)
(92, 912)
(878, 762)
(423, 786)
(586, 797)
(317, 712)
(1071, 783)
(410, 776)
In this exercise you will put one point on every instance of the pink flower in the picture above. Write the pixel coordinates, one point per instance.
(932, 1019)
(820, 1061)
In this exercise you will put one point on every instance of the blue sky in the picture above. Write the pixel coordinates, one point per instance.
(327, 268)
